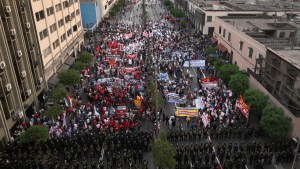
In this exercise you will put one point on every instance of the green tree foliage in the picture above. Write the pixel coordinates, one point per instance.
(78, 65)
(183, 23)
(210, 50)
(238, 83)
(218, 64)
(85, 57)
(274, 123)
(167, 3)
(227, 70)
(34, 134)
(59, 93)
(154, 93)
(257, 101)
(69, 77)
(164, 153)
(177, 13)
(53, 111)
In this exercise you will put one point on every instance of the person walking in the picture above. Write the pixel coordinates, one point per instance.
(188, 119)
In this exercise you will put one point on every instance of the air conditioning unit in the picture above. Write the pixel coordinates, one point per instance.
(2, 65)
(7, 9)
(13, 32)
(40, 80)
(28, 92)
(8, 87)
(19, 53)
(27, 25)
(23, 73)
(20, 114)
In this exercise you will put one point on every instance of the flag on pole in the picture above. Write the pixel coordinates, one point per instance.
(243, 107)
(68, 101)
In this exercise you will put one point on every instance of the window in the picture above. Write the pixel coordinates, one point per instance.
(77, 12)
(61, 23)
(39, 15)
(35, 0)
(220, 29)
(79, 24)
(55, 44)
(58, 7)
(50, 11)
(47, 51)
(105, 7)
(67, 18)
(209, 18)
(224, 32)
(75, 0)
(70, 2)
(259, 59)
(74, 28)
(281, 34)
(250, 52)
(43, 34)
(241, 45)
(69, 32)
(229, 36)
(53, 28)
(63, 37)
(72, 15)
(65, 4)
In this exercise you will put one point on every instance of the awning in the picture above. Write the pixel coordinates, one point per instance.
(53, 81)
(214, 39)
(62, 67)
(222, 48)
(70, 60)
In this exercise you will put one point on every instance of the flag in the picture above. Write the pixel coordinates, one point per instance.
(68, 101)
(243, 107)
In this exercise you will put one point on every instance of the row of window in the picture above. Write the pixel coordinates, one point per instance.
(241, 43)
(58, 7)
(63, 37)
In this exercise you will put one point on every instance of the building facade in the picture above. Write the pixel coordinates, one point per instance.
(204, 13)
(90, 13)
(268, 51)
(60, 33)
(21, 69)
(106, 5)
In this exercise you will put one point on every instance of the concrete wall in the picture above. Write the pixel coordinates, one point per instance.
(296, 121)
(239, 56)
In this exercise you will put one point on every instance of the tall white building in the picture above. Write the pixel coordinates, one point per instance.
(60, 33)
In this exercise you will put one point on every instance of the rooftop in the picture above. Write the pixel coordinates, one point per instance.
(291, 56)
(247, 5)
(256, 27)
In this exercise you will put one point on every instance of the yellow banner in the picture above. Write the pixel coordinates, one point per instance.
(187, 111)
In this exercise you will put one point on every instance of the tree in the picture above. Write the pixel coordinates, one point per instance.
(53, 111)
(34, 134)
(218, 64)
(238, 83)
(210, 50)
(227, 70)
(78, 65)
(59, 93)
(183, 23)
(274, 123)
(257, 101)
(85, 57)
(154, 93)
(164, 153)
(69, 77)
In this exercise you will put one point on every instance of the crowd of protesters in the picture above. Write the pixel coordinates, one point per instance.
(110, 106)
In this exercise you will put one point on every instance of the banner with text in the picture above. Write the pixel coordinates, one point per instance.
(187, 111)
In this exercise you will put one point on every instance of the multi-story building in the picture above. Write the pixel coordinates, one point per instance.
(21, 68)
(94, 11)
(268, 49)
(204, 13)
(60, 34)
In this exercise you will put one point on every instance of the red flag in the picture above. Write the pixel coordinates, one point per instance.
(98, 48)
(243, 107)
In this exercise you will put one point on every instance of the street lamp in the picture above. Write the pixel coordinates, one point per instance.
(296, 153)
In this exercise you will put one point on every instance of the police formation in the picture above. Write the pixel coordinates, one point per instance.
(233, 148)
(83, 151)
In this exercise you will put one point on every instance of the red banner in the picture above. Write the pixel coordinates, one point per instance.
(209, 82)
(243, 107)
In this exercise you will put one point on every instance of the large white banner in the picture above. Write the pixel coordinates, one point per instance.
(194, 63)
